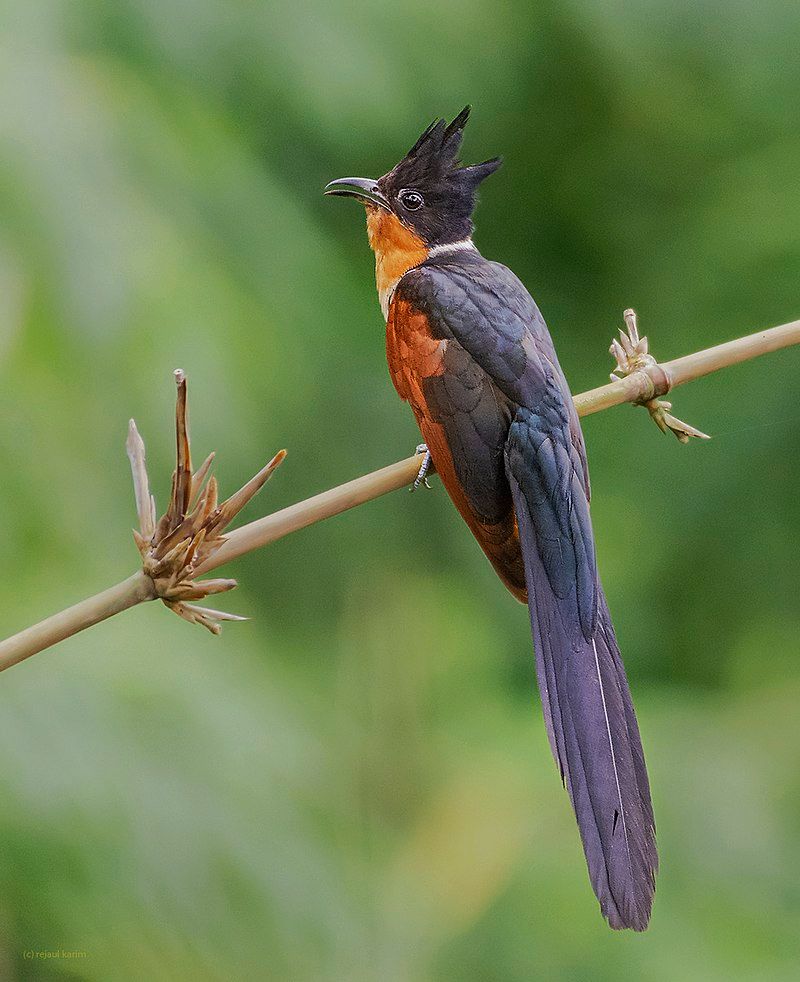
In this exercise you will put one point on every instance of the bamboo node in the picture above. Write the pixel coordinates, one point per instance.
(192, 529)
(632, 355)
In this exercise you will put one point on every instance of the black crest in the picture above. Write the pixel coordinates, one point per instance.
(432, 169)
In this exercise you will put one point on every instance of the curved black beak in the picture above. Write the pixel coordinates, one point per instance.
(362, 188)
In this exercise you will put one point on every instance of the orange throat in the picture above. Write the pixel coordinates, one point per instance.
(397, 250)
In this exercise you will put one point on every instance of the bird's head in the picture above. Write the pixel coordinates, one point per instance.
(428, 198)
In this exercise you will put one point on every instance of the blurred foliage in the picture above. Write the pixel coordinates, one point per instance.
(356, 784)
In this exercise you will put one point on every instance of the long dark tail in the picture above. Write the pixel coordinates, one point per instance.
(593, 733)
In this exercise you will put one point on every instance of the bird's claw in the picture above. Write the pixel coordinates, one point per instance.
(632, 354)
(424, 468)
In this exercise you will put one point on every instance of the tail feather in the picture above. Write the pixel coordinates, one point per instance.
(594, 736)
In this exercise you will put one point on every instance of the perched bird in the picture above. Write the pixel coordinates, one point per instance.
(469, 351)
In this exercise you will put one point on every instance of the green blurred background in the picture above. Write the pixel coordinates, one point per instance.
(355, 784)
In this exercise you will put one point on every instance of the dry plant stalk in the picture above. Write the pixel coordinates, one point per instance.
(190, 532)
(188, 540)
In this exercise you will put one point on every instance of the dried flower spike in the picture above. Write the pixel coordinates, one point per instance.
(192, 529)
(632, 354)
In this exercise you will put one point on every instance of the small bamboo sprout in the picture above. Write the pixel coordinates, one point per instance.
(190, 532)
(632, 354)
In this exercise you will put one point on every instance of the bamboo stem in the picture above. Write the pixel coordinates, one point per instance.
(639, 386)
(50, 631)
(298, 516)
(702, 363)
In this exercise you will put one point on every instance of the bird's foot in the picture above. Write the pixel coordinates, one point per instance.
(424, 467)
(632, 354)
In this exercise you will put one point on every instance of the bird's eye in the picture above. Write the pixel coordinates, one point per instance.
(411, 200)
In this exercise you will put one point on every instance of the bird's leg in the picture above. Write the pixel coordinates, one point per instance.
(632, 354)
(424, 467)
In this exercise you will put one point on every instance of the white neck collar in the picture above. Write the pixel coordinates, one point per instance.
(385, 295)
(439, 250)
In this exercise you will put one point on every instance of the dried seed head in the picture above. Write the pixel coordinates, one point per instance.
(632, 354)
(192, 528)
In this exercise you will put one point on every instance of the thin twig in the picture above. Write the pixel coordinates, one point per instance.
(640, 386)
(46, 633)
(643, 385)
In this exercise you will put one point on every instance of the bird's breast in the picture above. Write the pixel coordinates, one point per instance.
(412, 352)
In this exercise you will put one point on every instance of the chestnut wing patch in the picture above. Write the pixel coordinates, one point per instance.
(464, 421)
(447, 388)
